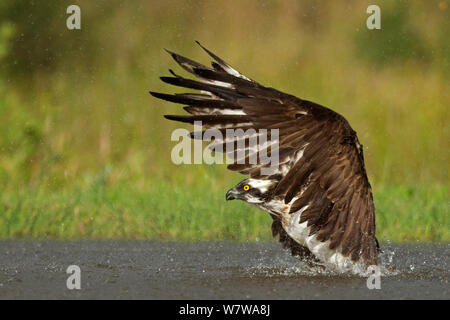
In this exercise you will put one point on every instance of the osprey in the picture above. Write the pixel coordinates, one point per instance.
(319, 197)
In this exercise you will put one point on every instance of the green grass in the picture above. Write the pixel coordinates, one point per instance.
(176, 211)
(85, 151)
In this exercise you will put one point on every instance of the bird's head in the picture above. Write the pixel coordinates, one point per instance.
(252, 191)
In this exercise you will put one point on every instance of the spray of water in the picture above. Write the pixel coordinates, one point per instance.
(284, 266)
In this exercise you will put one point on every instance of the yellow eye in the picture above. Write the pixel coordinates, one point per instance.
(246, 187)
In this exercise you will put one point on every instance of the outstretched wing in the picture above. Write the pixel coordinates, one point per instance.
(321, 165)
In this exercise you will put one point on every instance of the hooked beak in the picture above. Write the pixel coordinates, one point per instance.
(232, 194)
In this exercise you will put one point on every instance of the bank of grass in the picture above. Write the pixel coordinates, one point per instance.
(82, 105)
(176, 211)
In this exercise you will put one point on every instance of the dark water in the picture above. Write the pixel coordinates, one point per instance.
(173, 270)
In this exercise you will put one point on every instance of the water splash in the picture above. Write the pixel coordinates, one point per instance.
(285, 266)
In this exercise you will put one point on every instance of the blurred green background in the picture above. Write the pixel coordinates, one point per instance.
(85, 152)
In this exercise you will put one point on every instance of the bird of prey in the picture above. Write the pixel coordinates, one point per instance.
(319, 197)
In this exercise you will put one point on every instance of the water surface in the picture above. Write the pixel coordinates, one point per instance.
(209, 270)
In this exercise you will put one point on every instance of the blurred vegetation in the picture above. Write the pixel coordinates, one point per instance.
(166, 210)
(75, 112)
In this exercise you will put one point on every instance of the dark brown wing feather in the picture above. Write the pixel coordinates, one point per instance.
(329, 178)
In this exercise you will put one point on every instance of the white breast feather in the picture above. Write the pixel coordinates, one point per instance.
(333, 259)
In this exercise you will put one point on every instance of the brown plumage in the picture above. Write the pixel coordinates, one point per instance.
(329, 178)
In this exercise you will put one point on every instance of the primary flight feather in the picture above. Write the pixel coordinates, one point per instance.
(319, 196)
